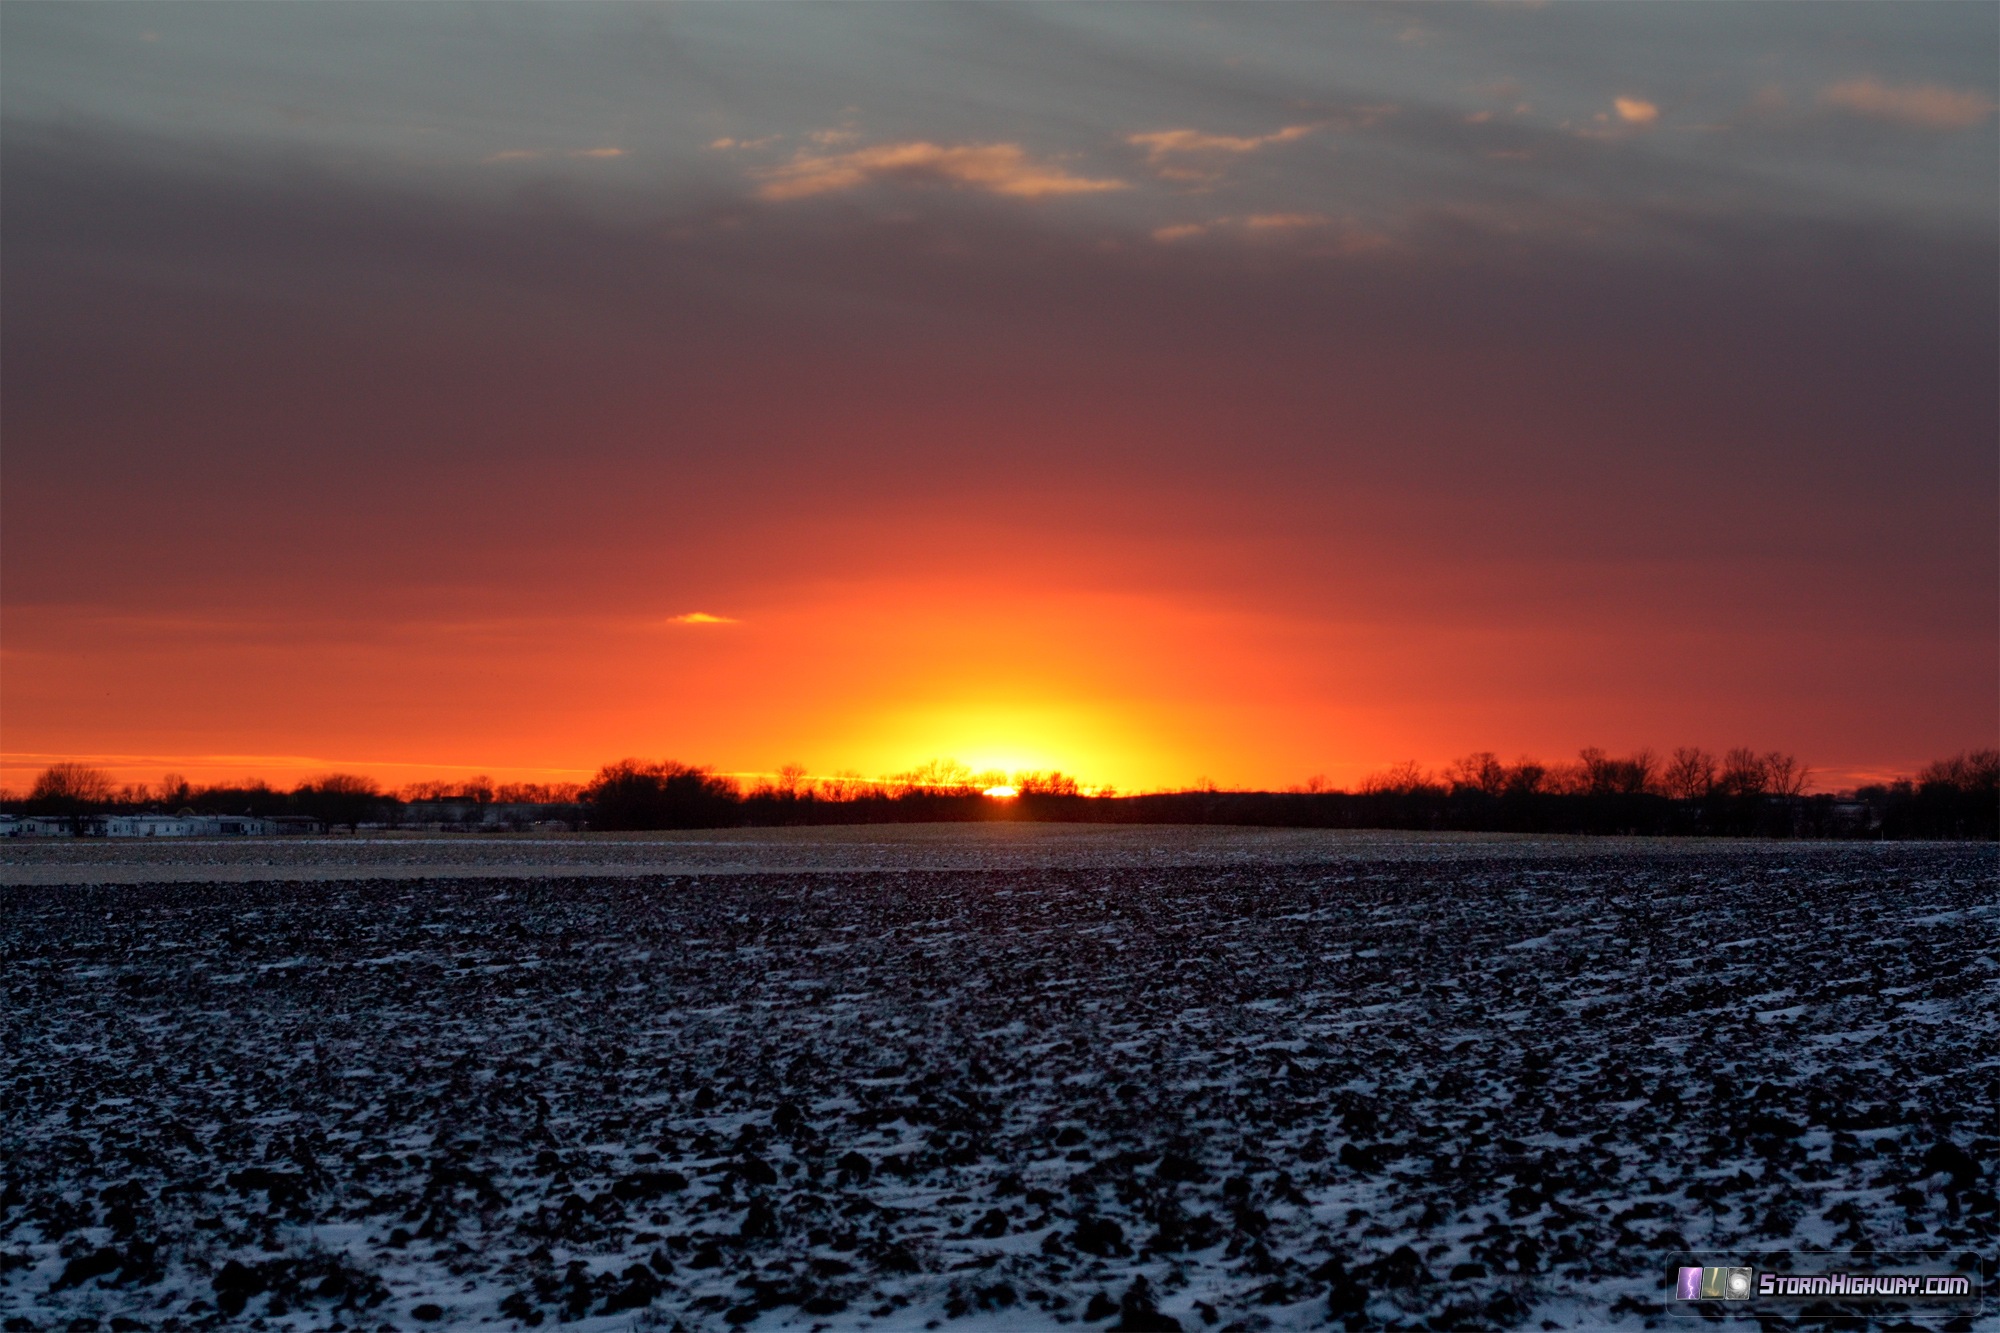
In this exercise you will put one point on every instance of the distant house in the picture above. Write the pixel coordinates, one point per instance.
(297, 824)
(152, 826)
(10, 827)
(188, 826)
(47, 826)
(243, 826)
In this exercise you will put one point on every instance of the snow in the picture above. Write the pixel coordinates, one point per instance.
(1286, 1081)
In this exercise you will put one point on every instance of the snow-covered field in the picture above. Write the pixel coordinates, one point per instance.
(1265, 1083)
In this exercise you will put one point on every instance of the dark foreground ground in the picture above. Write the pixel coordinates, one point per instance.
(1388, 1086)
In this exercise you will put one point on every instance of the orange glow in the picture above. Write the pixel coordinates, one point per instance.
(1001, 793)
(1136, 691)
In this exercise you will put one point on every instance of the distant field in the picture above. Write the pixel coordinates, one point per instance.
(996, 845)
(1009, 1076)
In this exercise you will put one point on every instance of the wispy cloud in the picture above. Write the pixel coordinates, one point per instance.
(1162, 145)
(1628, 116)
(702, 618)
(998, 168)
(1328, 236)
(728, 145)
(1253, 222)
(1282, 221)
(1923, 105)
(537, 154)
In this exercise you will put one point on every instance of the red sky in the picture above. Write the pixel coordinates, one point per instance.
(1137, 413)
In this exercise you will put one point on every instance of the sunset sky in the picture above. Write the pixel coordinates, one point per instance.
(1159, 393)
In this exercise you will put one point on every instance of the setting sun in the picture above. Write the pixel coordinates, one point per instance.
(1002, 793)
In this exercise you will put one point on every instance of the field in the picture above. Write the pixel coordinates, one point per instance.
(1136, 1078)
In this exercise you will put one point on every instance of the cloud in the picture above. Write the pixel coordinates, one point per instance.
(998, 168)
(702, 618)
(1161, 144)
(1924, 105)
(1253, 222)
(1347, 239)
(536, 154)
(1628, 116)
(726, 144)
(1282, 221)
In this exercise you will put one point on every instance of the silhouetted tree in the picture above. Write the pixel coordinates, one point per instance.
(337, 798)
(1525, 777)
(1952, 798)
(941, 777)
(635, 794)
(1972, 772)
(71, 789)
(1742, 774)
(1691, 774)
(1481, 772)
(1604, 776)
(1784, 775)
(537, 793)
(1405, 779)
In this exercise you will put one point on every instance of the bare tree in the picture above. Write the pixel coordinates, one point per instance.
(1526, 777)
(337, 798)
(70, 788)
(1481, 771)
(1691, 774)
(939, 777)
(1605, 776)
(174, 792)
(1404, 779)
(1784, 775)
(1742, 773)
(637, 794)
(1970, 771)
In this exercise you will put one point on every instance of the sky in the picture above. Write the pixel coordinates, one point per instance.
(1165, 394)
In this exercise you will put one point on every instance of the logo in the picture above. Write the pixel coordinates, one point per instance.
(1781, 1277)
(1713, 1284)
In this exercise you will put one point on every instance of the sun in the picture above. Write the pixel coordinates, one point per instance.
(1002, 793)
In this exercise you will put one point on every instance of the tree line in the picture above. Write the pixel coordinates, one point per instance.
(77, 791)
(1739, 792)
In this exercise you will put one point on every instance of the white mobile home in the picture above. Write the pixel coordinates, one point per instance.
(188, 826)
